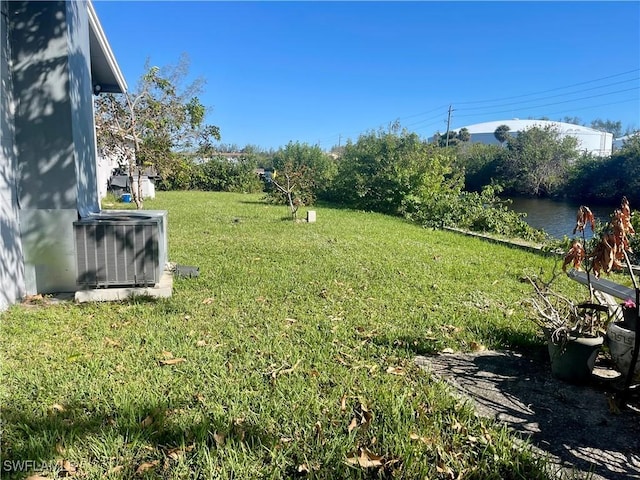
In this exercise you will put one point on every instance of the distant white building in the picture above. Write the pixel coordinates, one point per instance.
(618, 143)
(589, 140)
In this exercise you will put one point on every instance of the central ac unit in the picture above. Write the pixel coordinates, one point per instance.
(120, 248)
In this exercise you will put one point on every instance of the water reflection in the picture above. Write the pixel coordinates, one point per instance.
(557, 218)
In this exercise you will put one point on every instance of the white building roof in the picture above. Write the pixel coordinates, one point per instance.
(517, 125)
(589, 139)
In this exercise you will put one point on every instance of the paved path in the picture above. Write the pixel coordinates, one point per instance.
(573, 424)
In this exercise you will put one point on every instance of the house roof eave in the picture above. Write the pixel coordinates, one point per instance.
(105, 72)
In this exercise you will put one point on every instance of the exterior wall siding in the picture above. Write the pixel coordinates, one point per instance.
(12, 283)
(47, 139)
(84, 133)
(54, 135)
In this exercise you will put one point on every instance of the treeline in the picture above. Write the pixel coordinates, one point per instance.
(539, 162)
(396, 172)
(217, 173)
(389, 171)
(446, 182)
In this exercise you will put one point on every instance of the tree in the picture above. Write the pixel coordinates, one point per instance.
(308, 169)
(455, 138)
(537, 160)
(608, 126)
(463, 135)
(154, 124)
(479, 162)
(502, 133)
(572, 120)
(393, 172)
(609, 178)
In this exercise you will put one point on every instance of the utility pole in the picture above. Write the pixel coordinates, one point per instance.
(448, 124)
(339, 140)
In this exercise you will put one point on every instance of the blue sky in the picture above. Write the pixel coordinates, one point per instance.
(324, 72)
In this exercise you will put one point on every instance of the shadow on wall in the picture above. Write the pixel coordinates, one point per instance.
(54, 118)
(11, 271)
(53, 131)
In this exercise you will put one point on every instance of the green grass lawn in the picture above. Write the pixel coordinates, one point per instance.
(291, 355)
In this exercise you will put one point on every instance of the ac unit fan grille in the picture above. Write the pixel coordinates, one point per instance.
(117, 253)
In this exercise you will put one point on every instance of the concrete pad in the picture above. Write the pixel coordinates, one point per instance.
(163, 289)
(577, 427)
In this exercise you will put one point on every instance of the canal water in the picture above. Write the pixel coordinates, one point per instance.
(557, 218)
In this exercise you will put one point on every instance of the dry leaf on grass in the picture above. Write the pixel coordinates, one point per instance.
(33, 299)
(201, 343)
(146, 466)
(477, 347)
(304, 468)
(208, 301)
(362, 418)
(396, 371)
(56, 407)
(172, 361)
(450, 329)
(365, 458)
(352, 425)
(343, 403)
(219, 438)
(425, 440)
(445, 470)
(110, 342)
(68, 469)
(177, 452)
(283, 371)
(116, 469)
(147, 421)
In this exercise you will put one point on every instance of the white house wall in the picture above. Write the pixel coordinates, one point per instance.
(84, 133)
(12, 284)
(54, 136)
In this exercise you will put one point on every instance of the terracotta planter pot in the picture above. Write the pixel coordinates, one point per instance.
(573, 360)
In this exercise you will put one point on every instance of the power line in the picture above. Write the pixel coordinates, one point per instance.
(425, 120)
(425, 113)
(552, 96)
(339, 136)
(595, 106)
(551, 89)
(554, 103)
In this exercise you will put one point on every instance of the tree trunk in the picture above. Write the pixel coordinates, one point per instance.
(136, 193)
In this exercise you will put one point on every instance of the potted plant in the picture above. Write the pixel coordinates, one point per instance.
(610, 252)
(573, 331)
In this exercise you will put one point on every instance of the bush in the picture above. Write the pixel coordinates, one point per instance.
(394, 173)
(217, 174)
(478, 212)
(310, 170)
